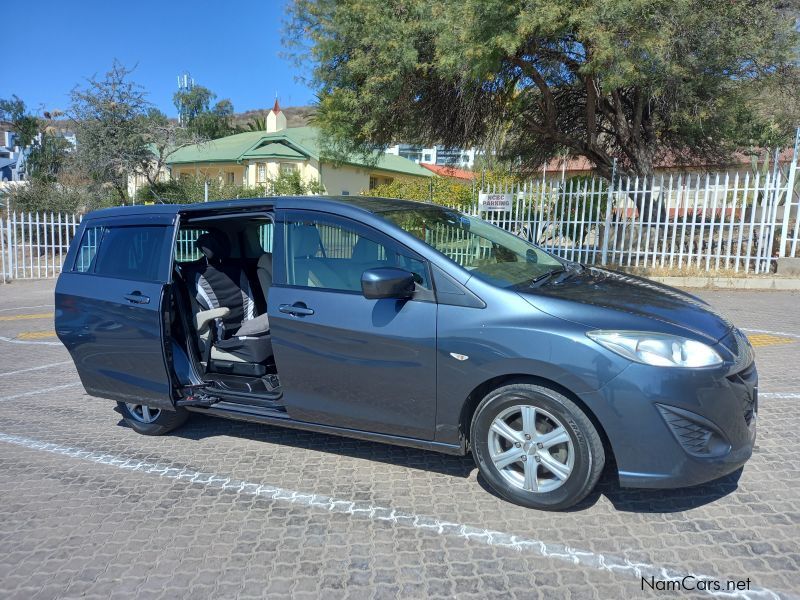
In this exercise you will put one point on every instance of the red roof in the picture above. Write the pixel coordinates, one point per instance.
(277, 107)
(581, 163)
(452, 172)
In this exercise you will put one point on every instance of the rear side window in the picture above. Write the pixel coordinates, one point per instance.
(127, 253)
(84, 261)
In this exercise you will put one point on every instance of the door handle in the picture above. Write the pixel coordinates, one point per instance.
(137, 298)
(298, 309)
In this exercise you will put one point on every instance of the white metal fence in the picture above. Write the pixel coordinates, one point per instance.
(33, 245)
(708, 222)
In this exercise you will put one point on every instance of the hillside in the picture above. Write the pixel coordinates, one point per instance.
(296, 116)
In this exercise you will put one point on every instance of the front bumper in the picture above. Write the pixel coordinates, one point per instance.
(673, 428)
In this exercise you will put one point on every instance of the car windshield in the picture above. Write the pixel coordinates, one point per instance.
(488, 252)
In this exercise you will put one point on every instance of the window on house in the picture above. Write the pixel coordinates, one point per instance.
(230, 178)
(288, 168)
(373, 182)
(261, 172)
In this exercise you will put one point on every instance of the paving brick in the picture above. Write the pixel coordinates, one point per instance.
(76, 528)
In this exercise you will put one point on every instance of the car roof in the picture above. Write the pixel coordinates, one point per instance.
(327, 203)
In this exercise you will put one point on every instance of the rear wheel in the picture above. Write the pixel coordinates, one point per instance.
(151, 421)
(535, 447)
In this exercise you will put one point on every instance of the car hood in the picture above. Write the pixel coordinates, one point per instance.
(604, 299)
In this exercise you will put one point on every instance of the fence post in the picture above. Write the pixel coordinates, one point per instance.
(787, 209)
(9, 245)
(3, 249)
(607, 227)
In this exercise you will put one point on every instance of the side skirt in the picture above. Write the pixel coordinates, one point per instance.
(270, 416)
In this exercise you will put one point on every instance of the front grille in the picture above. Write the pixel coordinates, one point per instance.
(695, 435)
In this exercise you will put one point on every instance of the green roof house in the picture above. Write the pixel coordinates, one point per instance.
(256, 157)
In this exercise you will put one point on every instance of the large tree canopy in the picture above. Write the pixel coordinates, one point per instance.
(601, 78)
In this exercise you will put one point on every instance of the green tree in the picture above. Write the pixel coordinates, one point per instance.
(162, 137)
(256, 124)
(200, 117)
(110, 117)
(24, 125)
(631, 80)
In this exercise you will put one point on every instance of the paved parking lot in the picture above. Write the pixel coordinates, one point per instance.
(222, 509)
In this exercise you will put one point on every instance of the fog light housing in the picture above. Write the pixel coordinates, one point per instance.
(696, 435)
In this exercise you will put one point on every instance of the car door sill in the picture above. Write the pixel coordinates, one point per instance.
(277, 416)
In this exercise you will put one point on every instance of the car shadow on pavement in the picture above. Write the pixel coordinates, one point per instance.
(202, 426)
(638, 500)
(623, 499)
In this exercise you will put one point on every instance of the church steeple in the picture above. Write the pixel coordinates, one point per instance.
(276, 120)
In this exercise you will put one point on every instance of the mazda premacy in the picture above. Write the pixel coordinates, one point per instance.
(410, 324)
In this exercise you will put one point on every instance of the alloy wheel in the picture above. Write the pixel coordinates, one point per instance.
(143, 413)
(531, 448)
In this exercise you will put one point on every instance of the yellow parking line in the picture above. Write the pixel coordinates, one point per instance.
(36, 335)
(47, 315)
(759, 340)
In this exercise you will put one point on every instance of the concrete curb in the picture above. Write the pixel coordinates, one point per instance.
(731, 283)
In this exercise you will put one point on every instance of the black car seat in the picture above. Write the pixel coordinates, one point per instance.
(221, 291)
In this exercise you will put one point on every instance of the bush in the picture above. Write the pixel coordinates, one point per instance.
(440, 190)
(192, 189)
(47, 196)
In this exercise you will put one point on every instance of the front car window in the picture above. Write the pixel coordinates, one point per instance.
(489, 253)
(331, 253)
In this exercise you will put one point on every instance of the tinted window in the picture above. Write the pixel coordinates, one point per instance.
(84, 260)
(330, 254)
(132, 253)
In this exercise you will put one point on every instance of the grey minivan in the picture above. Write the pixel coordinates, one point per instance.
(411, 324)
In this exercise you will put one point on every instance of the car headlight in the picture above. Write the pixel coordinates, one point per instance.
(657, 349)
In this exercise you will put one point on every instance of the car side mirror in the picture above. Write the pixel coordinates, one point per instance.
(387, 282)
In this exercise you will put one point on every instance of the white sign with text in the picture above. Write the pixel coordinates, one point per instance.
(497, 202)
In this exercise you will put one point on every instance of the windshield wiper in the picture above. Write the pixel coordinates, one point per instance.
(570, 271)
(545, 276)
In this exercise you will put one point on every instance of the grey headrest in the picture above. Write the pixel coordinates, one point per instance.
(366, 250)
(305, 241)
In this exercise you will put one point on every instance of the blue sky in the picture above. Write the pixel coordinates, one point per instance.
(233, 48)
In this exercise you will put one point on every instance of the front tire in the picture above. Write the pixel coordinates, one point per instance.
(151, 421)
(535, 447)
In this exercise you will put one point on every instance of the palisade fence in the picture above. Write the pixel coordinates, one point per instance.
(33, 245)
(684, 222)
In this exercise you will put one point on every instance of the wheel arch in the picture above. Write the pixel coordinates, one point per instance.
(479, 393)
